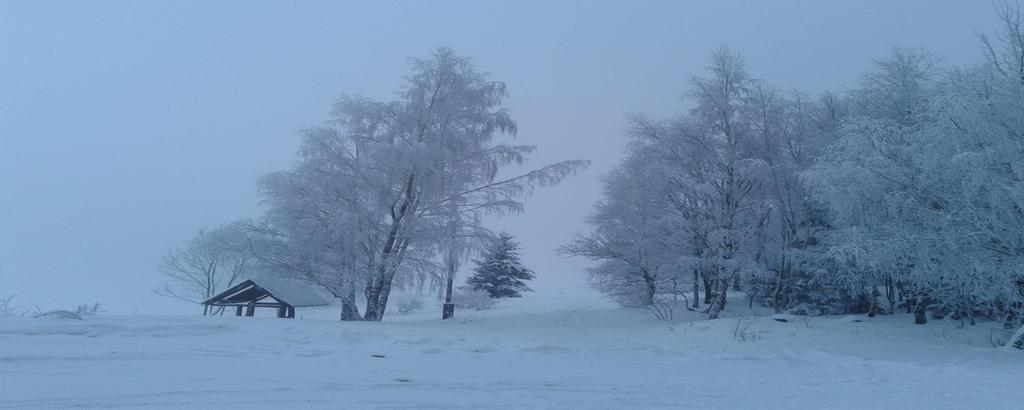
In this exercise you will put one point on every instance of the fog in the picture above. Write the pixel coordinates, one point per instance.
(126, 126)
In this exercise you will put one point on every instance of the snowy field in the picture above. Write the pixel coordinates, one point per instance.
(537, 352)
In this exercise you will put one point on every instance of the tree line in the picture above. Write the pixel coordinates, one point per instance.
(904, 193)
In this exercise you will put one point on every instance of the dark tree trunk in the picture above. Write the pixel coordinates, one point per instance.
(377, 303)
(448, 310)
(920, 308)
(696, 289)
(777, 294)
(385, 294)
(890, 293)
(873, 308)
(391, 255)
(652, 288)
(707, 289)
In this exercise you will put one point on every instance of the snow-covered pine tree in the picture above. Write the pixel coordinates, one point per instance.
(499, 271)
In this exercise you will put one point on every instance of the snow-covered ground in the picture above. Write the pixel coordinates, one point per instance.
(537, 352)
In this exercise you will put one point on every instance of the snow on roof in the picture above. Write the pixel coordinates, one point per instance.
(291, 292)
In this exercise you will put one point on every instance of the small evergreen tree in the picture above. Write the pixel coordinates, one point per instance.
(499, 271)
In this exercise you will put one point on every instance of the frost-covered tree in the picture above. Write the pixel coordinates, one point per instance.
(718, 178)
(926, 184)
(688, 197)
(499, 272)
(317, 228)
(790, 131)
(631, 236)
(385, 189)
(210, 262)
(909, 186)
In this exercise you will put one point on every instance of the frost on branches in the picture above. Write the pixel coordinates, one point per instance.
(391, 194)
(905, 194)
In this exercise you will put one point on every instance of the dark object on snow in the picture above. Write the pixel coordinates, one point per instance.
(784, 318)
(285, 296)
(377, 355)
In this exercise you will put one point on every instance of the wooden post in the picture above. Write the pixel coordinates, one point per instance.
(282, 312)
(250, 310)
(238, 310)
(291, 312)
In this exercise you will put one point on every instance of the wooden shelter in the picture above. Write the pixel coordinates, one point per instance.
(284, 296)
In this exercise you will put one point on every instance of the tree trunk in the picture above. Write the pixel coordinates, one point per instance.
(448, 310)
(391, 255)
(385, 293)
(721, 292)
(349, 309)
(1012, 316)
(890, 293)
(652, 287)
(873, 308)
(777, 293)
(696, 289)
(920, 308)
(373, 299)
(377, 302)
(707, 289)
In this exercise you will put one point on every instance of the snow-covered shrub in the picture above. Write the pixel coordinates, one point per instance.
(409, 305)
(742, 332)
(6, 309)
(469, 298)
(811, 294)
(664, 306)
(9, 309)
(84, 310)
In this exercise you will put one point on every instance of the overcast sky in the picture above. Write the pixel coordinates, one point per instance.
(125, 126)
